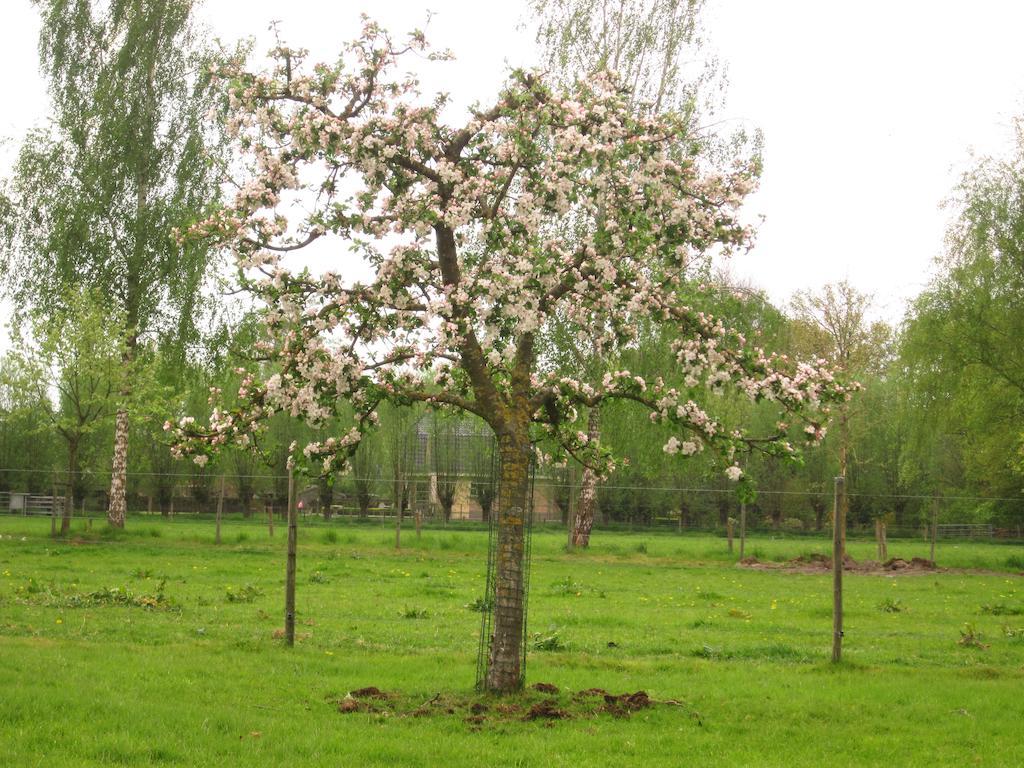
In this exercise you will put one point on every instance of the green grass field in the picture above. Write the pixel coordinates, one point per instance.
(155, 647)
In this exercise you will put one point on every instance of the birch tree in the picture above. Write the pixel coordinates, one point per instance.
(123, 161)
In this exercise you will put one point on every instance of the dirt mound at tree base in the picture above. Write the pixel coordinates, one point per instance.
(540, 702)
(544, 687)
(899, 564)
(547, 709)
(622, 706)
(818, 563)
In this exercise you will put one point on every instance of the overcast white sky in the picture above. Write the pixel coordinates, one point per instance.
(870, 110)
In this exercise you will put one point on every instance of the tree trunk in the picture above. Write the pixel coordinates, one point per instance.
(485, 509)
(118, 476)
(504, 665)
(587, 506)
(289, 575)
(326, 497)
(399, 511)
(69, 494)
(220, 510)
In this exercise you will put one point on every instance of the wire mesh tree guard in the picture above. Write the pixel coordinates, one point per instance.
(489, 598)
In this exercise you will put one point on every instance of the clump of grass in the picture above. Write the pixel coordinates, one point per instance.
(154, 533)
(241, 537)
(567, 586)
(445, 543)
(1001, 609)
(641, 547)
(706, 652)
(53, 596)
(317, 577)
(244, 594)
(1013, 634)
(414, 613)
(142, 573)
(330, 537)
(970, 637)
(1016, 562)
(480, 605)
(736, 613)
(708, 595)
(891, 605)
(548, 642)
(772, 652)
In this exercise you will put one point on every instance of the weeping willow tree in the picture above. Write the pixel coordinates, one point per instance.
(124, 160)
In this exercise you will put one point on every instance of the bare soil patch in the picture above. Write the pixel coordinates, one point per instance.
(818, 563)
(540, 702)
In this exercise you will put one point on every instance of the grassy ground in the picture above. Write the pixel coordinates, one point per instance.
(154, 647)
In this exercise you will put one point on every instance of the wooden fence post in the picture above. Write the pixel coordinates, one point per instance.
(935, 526)
(220, 510)
(570, 513)
(289, 578)
(68, 512)
(885, 543)
(837, 573)
(743, 527)
(53, 511)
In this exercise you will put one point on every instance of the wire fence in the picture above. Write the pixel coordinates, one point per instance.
(369, 499)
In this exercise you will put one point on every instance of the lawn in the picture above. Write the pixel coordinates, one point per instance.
(156, 647)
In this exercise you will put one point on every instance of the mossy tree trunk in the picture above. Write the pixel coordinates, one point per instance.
(504, 669)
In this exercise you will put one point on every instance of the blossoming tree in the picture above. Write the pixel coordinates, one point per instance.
(461, 231)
